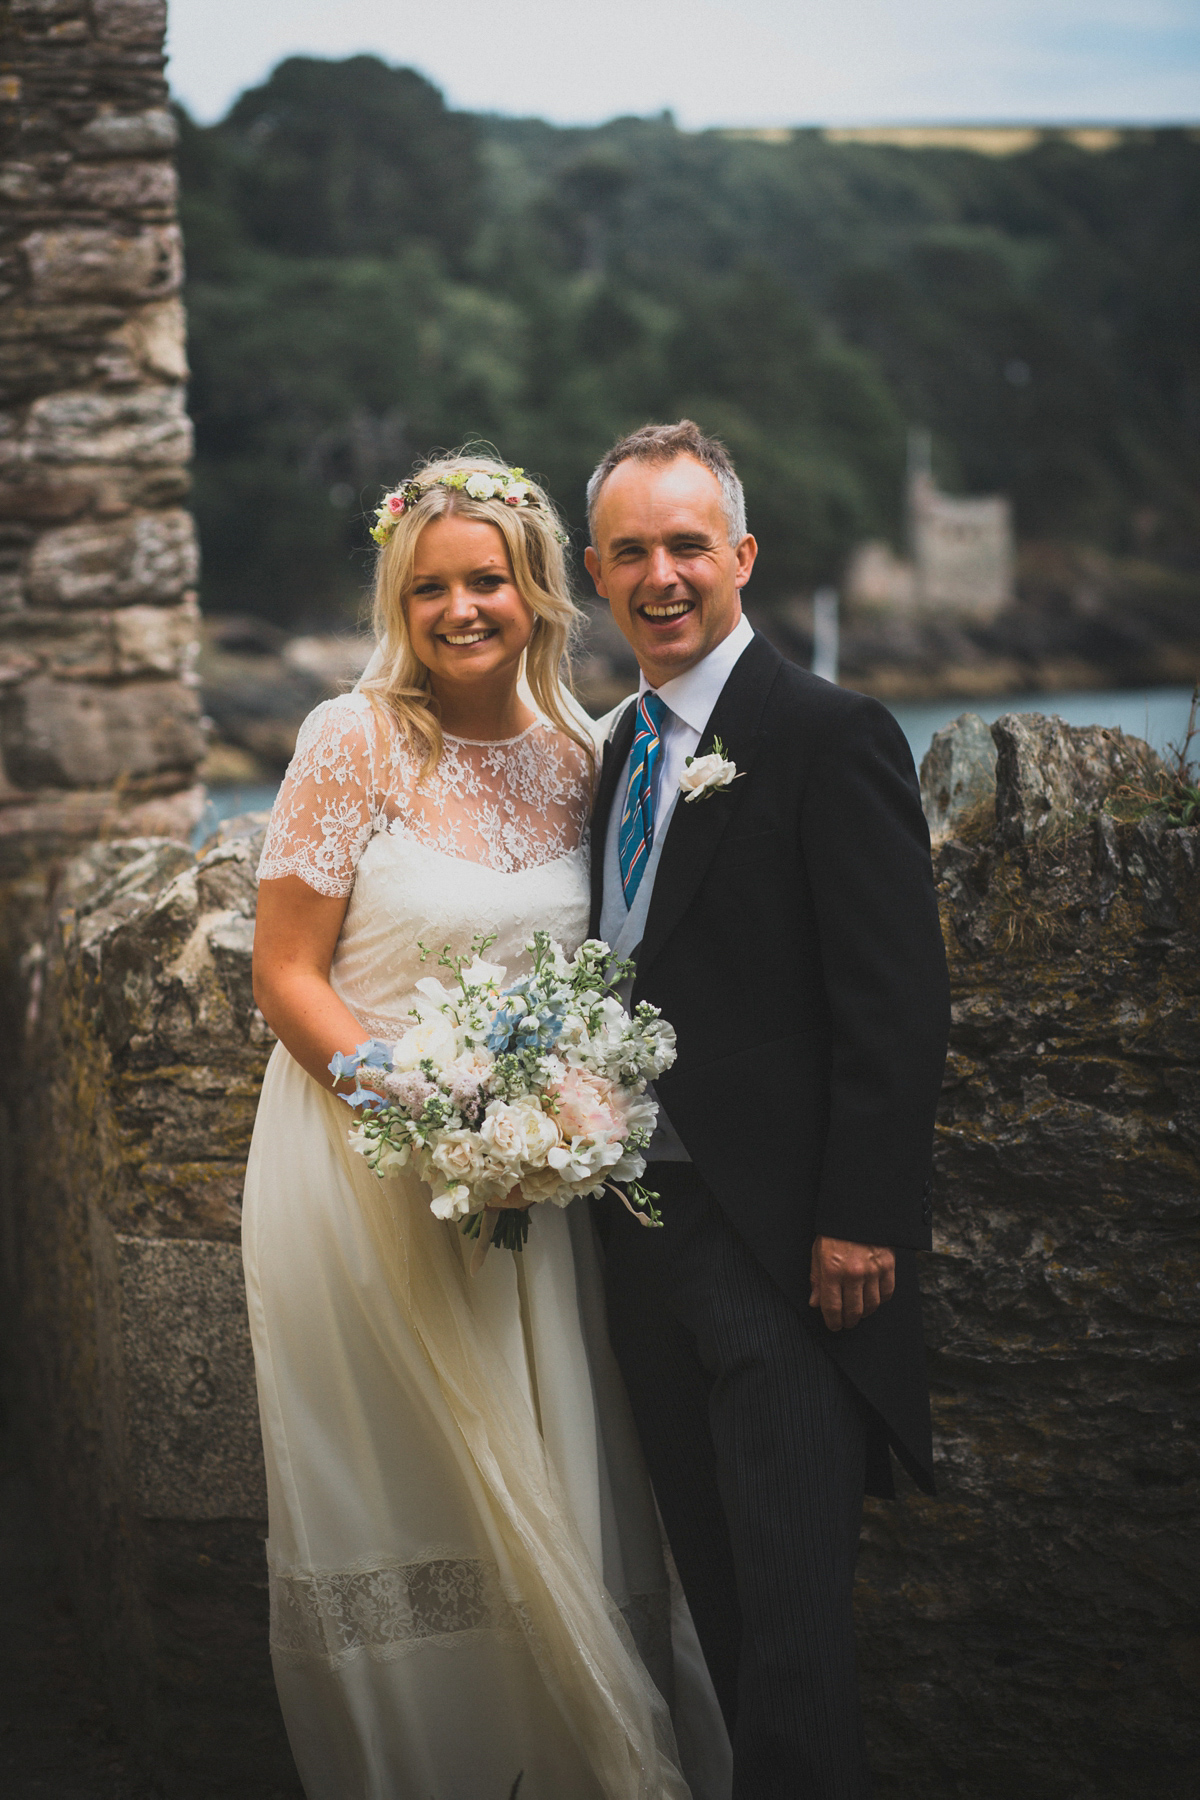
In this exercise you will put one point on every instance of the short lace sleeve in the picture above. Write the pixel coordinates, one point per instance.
(328, 806)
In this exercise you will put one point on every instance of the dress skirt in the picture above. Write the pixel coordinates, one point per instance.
(461, 1536)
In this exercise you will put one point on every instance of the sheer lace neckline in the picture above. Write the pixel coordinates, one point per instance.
(456, 737)
(508, 804)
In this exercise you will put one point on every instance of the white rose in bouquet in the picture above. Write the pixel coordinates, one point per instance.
(457, 1156)
(540, 1131)
(502, 1133)
(433, 1040)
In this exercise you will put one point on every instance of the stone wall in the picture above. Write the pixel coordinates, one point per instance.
(99, 717)
(145, 1054)
(1032, 1631)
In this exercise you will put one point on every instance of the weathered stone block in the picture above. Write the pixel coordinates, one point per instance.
(150, 426)
(174, 979)
(131, 21)
(138, 640)
(78, 648)
(152, 132)
(1049, 773)
(44, 13)
(68, 734)
(24, 184)
(156, 338)
(38, 498)
(17, 662)
(24, 323)
(147, 557)
(155, 639)
(180, 1390)
(958, 772)
(127, 186)
(83, 261)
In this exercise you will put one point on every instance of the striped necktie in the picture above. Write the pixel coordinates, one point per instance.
(637, 821)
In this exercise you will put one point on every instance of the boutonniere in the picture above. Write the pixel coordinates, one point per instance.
(703, 775)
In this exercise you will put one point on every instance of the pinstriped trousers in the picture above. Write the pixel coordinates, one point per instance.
(756, 1448)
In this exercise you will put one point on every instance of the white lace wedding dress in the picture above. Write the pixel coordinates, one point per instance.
(457, 1503)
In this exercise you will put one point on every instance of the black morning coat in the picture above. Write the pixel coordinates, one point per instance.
(793, 942)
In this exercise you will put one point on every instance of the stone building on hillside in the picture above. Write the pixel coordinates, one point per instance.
(963, 553)
(962, 562)
(99, 719)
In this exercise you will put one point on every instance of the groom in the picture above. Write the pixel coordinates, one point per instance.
(786, 925)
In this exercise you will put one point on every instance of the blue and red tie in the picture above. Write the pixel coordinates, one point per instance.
(636, 832)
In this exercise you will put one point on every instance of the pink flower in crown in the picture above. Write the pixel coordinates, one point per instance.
(395, 504)
(585, 1106)
(512, 499)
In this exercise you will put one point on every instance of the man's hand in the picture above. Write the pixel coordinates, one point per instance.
(850, 1280)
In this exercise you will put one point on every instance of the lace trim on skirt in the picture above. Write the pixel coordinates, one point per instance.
(395, 1608)
(388, 1611)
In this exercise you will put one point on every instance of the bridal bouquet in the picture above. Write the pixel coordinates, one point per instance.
(539, 1083)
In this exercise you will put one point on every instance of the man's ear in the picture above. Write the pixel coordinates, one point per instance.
(592, 563)
(745, 552)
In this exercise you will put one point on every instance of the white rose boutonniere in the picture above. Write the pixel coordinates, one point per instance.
(703, 775)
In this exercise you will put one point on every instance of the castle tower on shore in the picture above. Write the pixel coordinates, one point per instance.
(962, 555)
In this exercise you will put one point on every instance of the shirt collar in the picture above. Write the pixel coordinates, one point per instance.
(692, 695)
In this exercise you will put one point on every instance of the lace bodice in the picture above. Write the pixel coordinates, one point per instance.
(511, 804)
(493, 840)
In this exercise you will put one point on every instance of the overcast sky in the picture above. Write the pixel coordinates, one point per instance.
(727, 62)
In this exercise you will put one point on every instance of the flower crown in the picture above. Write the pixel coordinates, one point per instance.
(509, 486)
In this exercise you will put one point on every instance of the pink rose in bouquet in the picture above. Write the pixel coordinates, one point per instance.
(585, 1106)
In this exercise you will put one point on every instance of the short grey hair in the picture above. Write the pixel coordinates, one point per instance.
(662, 444)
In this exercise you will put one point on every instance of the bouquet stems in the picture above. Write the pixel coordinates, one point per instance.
(511, 1230)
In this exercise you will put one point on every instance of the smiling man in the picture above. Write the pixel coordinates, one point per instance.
(786, 925)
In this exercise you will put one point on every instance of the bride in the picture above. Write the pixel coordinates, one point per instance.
(463, 1549)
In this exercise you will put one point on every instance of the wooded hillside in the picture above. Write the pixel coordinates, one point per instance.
(371, 275)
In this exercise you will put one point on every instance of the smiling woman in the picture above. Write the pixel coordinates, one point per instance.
(436, 1441)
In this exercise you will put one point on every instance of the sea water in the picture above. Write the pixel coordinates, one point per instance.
(1159, 715)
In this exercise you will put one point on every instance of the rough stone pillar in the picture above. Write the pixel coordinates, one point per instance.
(99, 717)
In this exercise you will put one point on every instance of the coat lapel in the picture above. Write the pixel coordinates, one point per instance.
(616, 751)
(697, 826)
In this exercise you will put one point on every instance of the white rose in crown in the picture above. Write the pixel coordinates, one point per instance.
(703, 775)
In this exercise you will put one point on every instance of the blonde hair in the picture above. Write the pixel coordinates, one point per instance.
(534, 538)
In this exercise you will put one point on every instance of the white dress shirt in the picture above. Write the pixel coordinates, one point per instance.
(690, 698)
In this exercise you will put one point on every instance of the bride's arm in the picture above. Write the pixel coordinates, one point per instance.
(294, 940)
